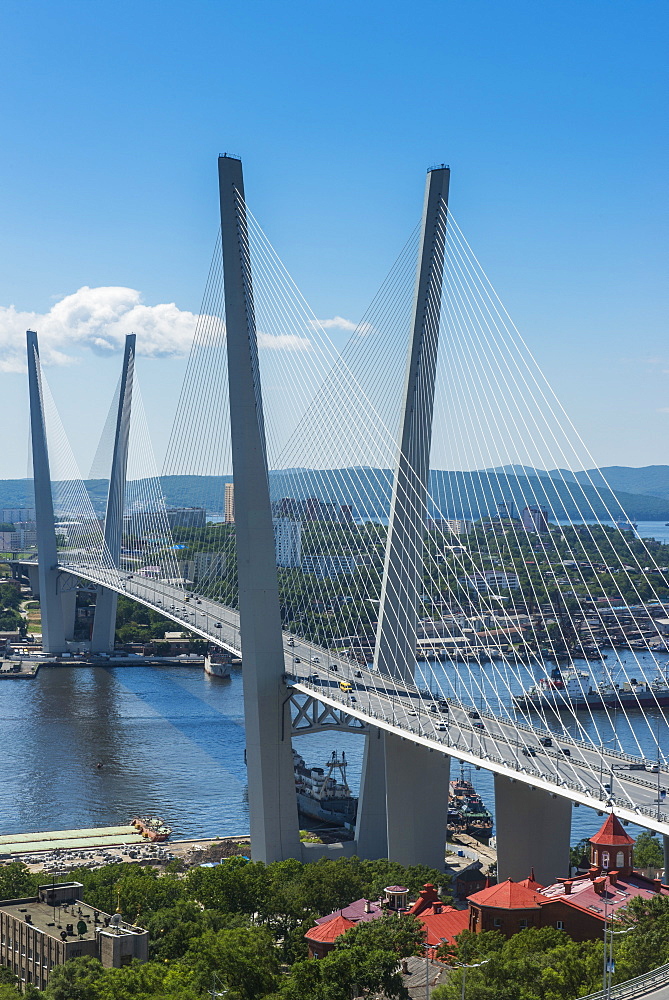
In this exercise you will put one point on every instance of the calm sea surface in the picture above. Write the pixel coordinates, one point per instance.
(171, 742)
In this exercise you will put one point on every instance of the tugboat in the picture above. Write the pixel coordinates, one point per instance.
(466, 811)
(321, 795)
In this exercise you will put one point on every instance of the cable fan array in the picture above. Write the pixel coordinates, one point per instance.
(527, 587)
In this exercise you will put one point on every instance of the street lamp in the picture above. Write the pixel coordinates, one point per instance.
(213, 992)
(464, 967)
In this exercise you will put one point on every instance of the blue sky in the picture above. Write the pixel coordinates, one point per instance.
(552, 115)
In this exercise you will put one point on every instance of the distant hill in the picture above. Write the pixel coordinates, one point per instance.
(455, 494)
(650, 480)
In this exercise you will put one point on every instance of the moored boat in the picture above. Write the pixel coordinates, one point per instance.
(152, 827)
(218, 664)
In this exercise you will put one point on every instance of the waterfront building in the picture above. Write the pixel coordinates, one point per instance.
(229, 504)
(40, 932)
(535, 519)
(287, 542)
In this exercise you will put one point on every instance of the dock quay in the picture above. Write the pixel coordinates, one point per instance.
(25, 669)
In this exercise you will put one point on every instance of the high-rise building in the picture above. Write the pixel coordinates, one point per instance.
(287, 542)
(229, 503)
(535, 518)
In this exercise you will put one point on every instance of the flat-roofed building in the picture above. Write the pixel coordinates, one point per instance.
(40, 932)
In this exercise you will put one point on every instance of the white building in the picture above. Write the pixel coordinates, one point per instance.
(492, 580)
(325, 566)
(287, 542)
(456, 525)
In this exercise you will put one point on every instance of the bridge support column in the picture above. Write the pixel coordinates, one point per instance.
(371, 831)
(417, 802)
(395, 651)
(51, 611)
(68, 604)
(533, 829)
(665, 845)
(269, 756)
(106, 601)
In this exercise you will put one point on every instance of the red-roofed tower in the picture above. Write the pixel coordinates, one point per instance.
(612, 848)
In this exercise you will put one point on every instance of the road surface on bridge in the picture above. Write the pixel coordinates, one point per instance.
(569, 768)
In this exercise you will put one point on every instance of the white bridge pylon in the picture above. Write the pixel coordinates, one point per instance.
(410, 734)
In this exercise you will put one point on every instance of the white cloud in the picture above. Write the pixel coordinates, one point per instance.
(283, 341)
(339, 323)
(663, 409)
(97, 319)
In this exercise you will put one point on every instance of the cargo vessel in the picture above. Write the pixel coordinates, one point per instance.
(323, 792)
(466, 811)
(218, 664)
(571, 689)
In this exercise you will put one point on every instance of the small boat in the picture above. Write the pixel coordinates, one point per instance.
(152, 827)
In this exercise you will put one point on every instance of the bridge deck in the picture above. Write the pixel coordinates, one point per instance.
(572, 769)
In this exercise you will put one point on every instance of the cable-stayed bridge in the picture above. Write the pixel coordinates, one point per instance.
(342, 556)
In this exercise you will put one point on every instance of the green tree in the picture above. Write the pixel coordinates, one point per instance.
(75, 980)
(648, 851)
(16, 881)
(402, 935)
(244, 959)
(172, 930)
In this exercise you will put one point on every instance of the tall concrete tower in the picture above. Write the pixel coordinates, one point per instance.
(269, 757)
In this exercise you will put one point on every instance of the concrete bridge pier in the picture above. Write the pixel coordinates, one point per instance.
(53, 630)
(416, 802)
(533, 831)
(665, 845)
(371, 831)
(67, 590)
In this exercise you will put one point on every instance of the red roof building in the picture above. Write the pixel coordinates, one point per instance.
(579, 905)
(322, 937)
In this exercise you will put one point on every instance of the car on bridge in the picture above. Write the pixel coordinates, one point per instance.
(474, 714)
(478, 725)
(546, 741)
(529, 752)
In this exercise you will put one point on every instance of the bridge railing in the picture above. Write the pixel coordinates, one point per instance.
(457, 745)
(637, 987)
